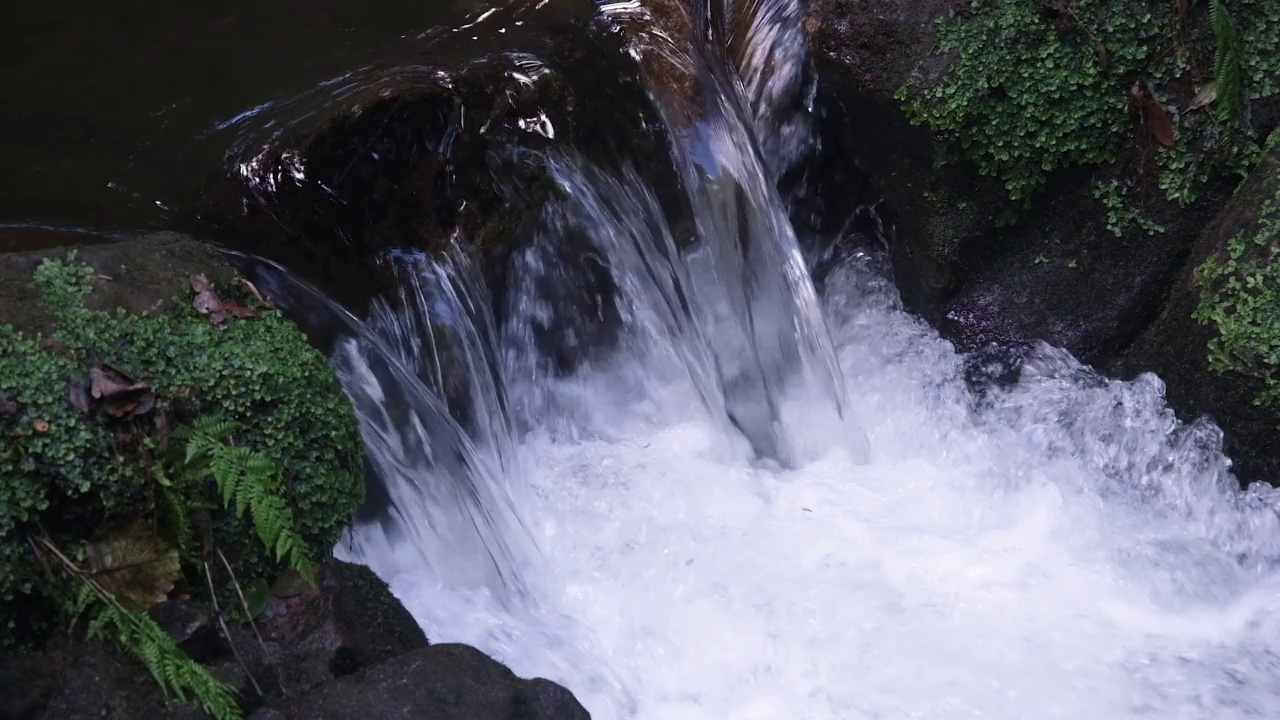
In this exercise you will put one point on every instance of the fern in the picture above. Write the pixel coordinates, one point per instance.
(176, 673)
(139, 636)
(177, 517)
(1227, 64)
(248, 481)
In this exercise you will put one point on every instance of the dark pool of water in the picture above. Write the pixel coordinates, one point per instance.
(111, 109)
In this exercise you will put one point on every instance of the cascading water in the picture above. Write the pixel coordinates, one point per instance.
(695, 527)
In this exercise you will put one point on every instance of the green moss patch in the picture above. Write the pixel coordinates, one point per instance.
(1240, 289)
(94, 406)
(1032, 87)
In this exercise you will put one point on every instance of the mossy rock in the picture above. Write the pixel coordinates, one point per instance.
(73, 465)
(1227, 298)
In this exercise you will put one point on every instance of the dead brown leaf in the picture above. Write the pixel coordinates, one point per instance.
(200, 283)
(120, 395)
(239, 311)
(100, 276)
(134, 564)
(41, 426)
(206, 302)
(1153, 114)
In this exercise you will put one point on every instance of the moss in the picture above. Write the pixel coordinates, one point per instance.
(71, 473)
(1031, 88)
(948, 223)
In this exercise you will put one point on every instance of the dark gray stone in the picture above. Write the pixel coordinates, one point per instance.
(441, 682)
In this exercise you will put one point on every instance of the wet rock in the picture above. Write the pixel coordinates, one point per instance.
(193, 630)
(878, 42)
(351, 621)
(143, 275)
(1060, 276)
(372, 624)
(72, 680)
(443, 146)
(1176, 346)
(1057, 274)
(445, 682)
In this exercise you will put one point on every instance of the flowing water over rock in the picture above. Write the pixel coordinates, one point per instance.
(768, 504)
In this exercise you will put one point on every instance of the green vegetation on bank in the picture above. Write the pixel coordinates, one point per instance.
(1031, 87)
(1240, 297)
(202, 452)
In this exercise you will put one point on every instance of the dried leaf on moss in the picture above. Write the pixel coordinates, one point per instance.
(1153, 114)
(120, 395)
(1205, 97)
(134, 564)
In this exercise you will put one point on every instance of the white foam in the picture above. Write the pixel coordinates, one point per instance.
(1064, 550)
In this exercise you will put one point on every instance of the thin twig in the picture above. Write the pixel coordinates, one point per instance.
(254, 625)
(208, 576)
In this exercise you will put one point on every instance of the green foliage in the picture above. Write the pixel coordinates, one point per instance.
(1026, 94)
(1122, 215)
(1259, 25)
(137, 634)
(249, 481)
(1032, 87)
(1228, 73)
(1240, 296)
(73, 472)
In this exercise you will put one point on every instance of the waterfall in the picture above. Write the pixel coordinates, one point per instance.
(762, 503)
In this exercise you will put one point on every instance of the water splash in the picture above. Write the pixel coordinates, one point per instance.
(450, 488)
(1060, 546)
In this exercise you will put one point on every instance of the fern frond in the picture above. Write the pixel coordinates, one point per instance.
(178, 517)
(1228, 74)
(176, 673)
(249, 482)
(98, 623)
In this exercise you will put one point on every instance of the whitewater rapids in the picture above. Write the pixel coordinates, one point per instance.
(1058, 548)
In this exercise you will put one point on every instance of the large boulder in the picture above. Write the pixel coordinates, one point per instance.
(442, 682)
(449, 145)
(1058, 272)
(1177, 344)
(347, 649)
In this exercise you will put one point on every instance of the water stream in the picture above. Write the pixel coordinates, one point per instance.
(769, 504)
